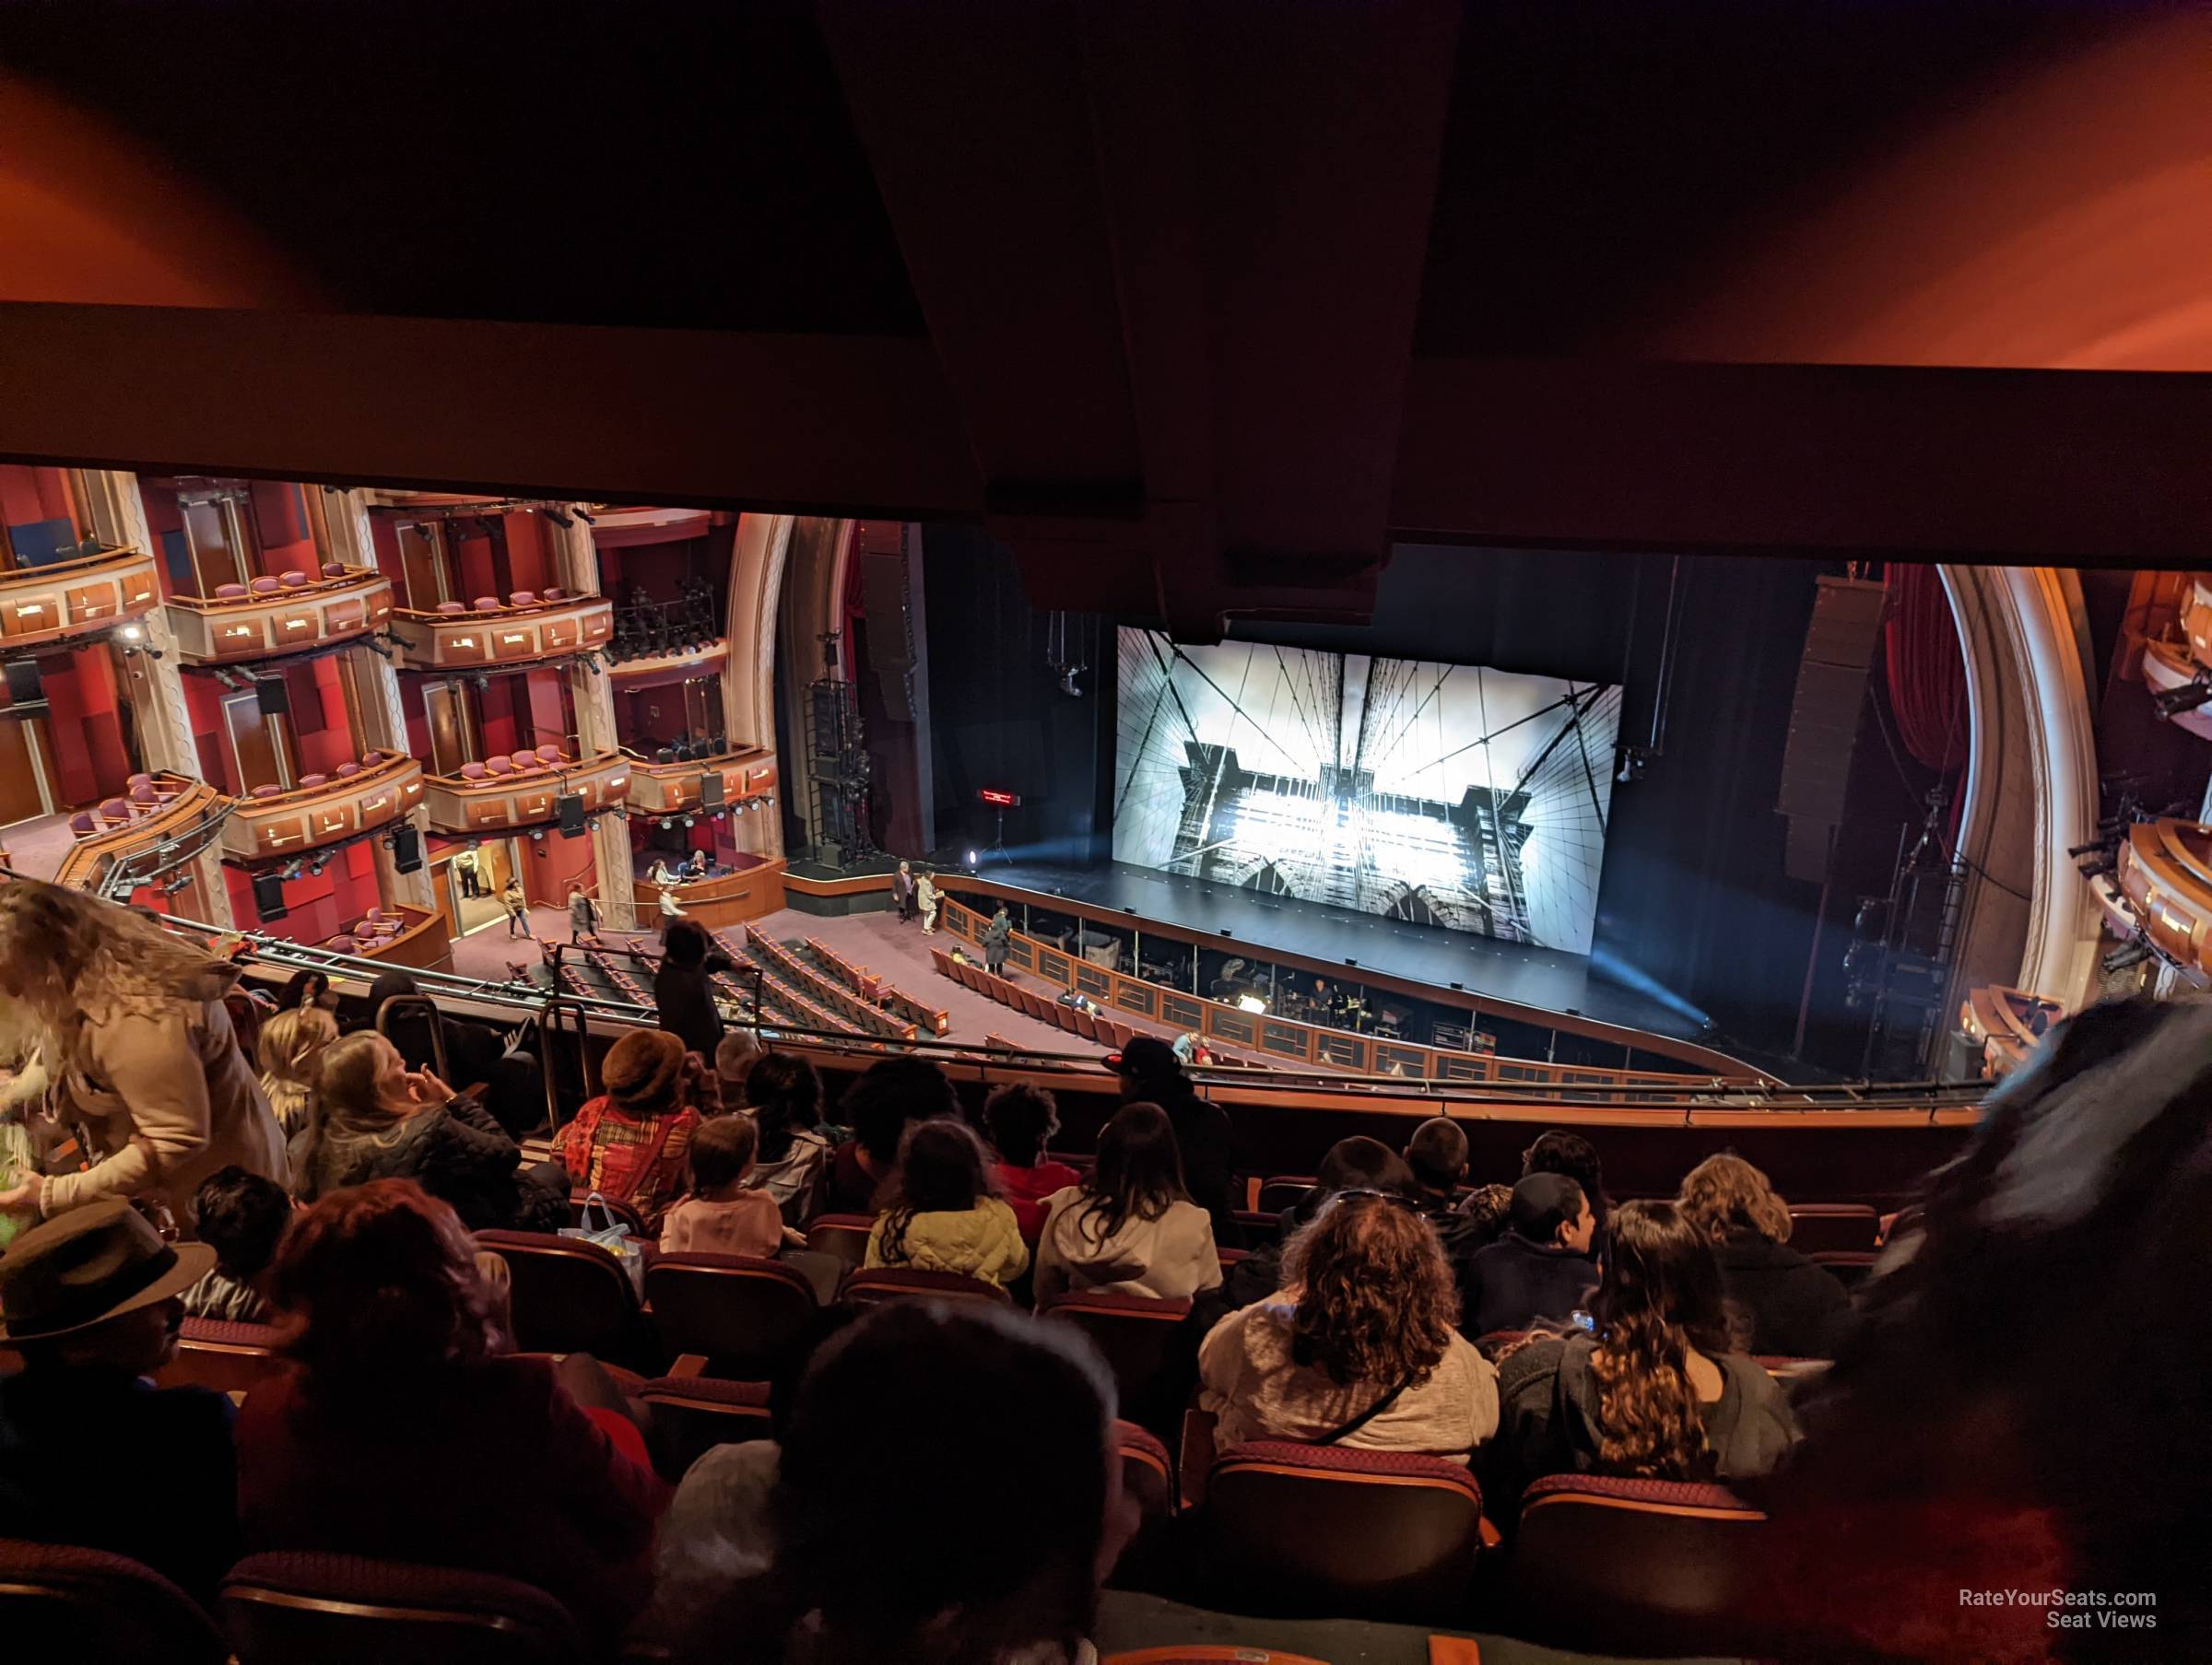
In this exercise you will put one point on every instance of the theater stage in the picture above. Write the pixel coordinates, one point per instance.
(1536, 980)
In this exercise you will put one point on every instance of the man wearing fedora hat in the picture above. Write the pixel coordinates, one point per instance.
(91, 1452)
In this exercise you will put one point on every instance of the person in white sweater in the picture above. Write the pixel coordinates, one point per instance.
(1132, 1228)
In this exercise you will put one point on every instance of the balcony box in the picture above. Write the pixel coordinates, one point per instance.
(512, 634)
(70, 599)
(674, 788)
(471, 806)
(273, 617)
(323, 812)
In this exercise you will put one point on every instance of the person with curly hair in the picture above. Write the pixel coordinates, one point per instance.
(1360, 1348)
(1657, 1391)
(289, 1052)
(942, 1213)
(1787, 1302)
(1021, 1121)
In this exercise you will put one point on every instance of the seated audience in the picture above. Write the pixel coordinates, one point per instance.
(375, 1119)
(243, 1217)
(629, 1143)
(1132, 1228)
(1559, 1152)
(1152, 1074)
(1359, 1348)
(1788, 1303)
(996, 1562)
(1657, 1393)
(289, 1052)
(475, 1056)
(879, 1107)
(1978, 1432)
(940, 1214)
(683, 988)
(1022, 1122)
(721, 1213)
(305, 989)
(1437, 1155)
(1488, 1210)
(783, 1097)
(401, 1432)
(735, 1056)
(1541, 1268)
(91, 1452)
(1355, 1164)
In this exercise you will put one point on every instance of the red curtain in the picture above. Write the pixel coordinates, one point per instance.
(1926, 669)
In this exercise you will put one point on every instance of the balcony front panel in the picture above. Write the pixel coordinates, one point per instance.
(508, 636)
(668, 788)
(218, 630)
(69, 599)
(2165, 873)
(119, 828)
(501, 803)
(325, 812)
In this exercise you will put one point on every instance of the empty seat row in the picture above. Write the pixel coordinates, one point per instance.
(142, 795)
(1107, 1031)
(523, 761)
(519, 598)
(282, 584)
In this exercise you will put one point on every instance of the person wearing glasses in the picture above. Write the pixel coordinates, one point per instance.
(1359, 1348)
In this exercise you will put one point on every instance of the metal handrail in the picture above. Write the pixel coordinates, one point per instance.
(406, 1003)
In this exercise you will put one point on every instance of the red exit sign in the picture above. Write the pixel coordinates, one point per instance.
(999, 797)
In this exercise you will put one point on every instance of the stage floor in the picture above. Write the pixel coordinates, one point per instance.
(1542, 978)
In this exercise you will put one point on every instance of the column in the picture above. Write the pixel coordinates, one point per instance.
(593, 695)
(155, 684)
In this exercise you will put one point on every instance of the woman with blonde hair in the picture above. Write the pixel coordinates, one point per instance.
(1360, 1347)
(1785, 1302)
(140, 1050)
(290, 1051)
(375, 1119)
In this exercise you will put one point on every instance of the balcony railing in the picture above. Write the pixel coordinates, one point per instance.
(279, 615)
(321, 809)
(155, 810)
(485, 798)
(80, 597)
(670, 788)
(676, 631)
(524, 626)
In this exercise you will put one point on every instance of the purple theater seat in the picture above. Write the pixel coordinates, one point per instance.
(82, 823)
(376, 755)
(474, 772)
(333, 570)
(551, 593)
(342, 944)
(115, 809)
(314, 781)
(144, 792)
(500, 766)
(347, 769)
(265, 791)
(524, 758)
(451, 607)
(265, 586)
(140, 779)
(292, 581)
(548, 753)
(229, 592)
(522, 598)
(487, 604)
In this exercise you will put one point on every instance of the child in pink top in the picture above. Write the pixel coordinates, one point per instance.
(717, 1216)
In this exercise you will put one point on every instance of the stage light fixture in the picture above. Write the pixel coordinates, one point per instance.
(972, 858)
(132, 633)
(1067, 682)
(537, 835)
(2174, 702)
(690, 821)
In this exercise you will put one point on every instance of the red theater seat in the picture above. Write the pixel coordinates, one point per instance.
(292, 581)
(692, 1414)
(61, 1602)
(844, 1235)
(230, 1358)
(1640, 1566)
(905, 1283)
(1280, 1193)
(1138, 1336)
(1326, 1530)
(349, 1610)
(746, 1318)
(1816, 1227)
(569, 1297)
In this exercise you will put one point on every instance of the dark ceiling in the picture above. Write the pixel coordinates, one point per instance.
(1199, 303)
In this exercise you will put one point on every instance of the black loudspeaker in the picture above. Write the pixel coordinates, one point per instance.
(23, 685)
(1824, 720)
(883, 590)
(406, 848)
(711, 796)
(268, 895)
(569, 806)
(274, 695)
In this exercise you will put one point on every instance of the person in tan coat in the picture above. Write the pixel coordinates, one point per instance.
(140, 1050)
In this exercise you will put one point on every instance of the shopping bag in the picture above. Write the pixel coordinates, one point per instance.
(613, 1235)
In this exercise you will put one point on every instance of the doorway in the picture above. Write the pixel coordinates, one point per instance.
(498, 860)
(252, 745)
(27, 788)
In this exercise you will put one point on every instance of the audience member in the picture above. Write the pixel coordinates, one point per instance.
(1489, 1210)
(375, 1119)
(1559, 1152)
(1978, 1431)
(243, 1217)
(402, 1432)
(1132, 1227)
(1437, 1156)
(879, 1107)
(683, 988)
(629, 1144)
(306, 988)
(735, 1056)
(792, 1161)
(140, 1052)
(941, 1214)
(1022, 1122)
(1657, 1393)
(1355, 1164)
(507, 1083)
(1359, 1348)
(289, 1052)
(998, 1561)
(1152, 1074)
(1788, 1303)
(91, 1453)
(720, 1213)
(1541, 1268)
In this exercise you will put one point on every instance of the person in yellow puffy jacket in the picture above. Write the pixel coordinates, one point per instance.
(944, 1214)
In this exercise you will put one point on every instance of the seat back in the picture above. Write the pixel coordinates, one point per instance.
(567, 1296)
(618, 1213)
(230, 1358)
(844, 1235)
(1282, 1190)
(692, 1414)
(349, 1610)
(1346, 1533)
(1850, 1266)
(1817, 1227)
(1210, 1653)
(1143, 1342)
(58, 1601)
(747, 1317)
(1648, 1565)
(906, 1283)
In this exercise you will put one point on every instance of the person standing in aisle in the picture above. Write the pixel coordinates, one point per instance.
(584, 915)
(925, 895)
(518, 909)
(464, 867)
(903, 892)
(997, 934)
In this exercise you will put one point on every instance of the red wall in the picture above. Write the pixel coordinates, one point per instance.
(30, 495)
(287, 545)
(90, 754)
(319, 905)
(550, 865)
(203, 699)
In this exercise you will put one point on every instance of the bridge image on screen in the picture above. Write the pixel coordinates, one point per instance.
(1444, 795)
